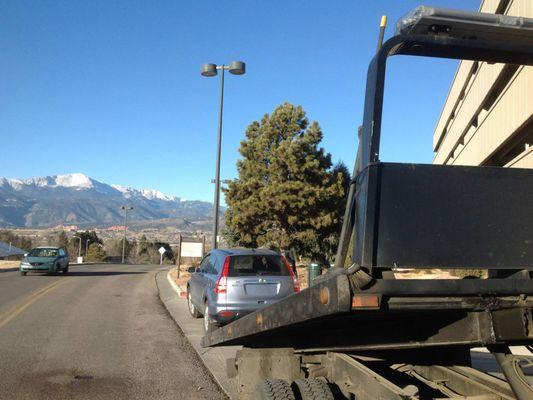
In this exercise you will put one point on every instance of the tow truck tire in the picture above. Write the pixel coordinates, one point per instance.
(273, 389)
(312, 389)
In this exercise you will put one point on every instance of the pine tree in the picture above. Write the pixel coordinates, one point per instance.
(287, 193)
(96, 253)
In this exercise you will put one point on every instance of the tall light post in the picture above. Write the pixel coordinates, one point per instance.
(79, 245)
(126, 209)
(236, 68)
(87, 246)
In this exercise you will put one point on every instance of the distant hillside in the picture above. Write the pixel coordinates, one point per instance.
(76, 199)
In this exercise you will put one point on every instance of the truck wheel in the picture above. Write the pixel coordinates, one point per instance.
(273, 389)
(312, 389)
(192, 308)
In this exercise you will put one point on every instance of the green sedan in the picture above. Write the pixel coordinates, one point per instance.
(45, 259)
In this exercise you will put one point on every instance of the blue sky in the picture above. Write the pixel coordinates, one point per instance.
(113, 90)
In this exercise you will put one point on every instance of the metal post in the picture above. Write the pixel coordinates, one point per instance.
(125, 208)
(179, 255)
(348, 220)
(217, 175)
(203, 246)
(86, 246)
(382, 27)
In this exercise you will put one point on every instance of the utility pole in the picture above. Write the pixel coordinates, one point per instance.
(179, 254)
(126, 209)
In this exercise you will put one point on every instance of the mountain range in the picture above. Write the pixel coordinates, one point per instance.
(76, 199)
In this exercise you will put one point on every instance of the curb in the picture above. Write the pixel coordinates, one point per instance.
(8, 270)
(178, 289)
(213, 358)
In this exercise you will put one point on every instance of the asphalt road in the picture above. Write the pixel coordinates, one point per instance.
(99, 332)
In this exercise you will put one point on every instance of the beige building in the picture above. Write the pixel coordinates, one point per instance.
(487, 118)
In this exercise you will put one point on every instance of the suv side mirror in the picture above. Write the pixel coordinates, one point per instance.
(191, 270)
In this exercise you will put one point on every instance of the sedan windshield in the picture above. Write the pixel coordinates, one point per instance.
(43, 253)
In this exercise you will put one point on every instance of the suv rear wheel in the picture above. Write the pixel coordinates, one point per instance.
(208, 322)
(192, 308)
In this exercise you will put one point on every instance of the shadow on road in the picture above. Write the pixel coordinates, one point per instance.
(103, 273)
(89, 273)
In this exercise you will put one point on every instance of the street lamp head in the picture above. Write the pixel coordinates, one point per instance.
(237, 68)
(209, 70)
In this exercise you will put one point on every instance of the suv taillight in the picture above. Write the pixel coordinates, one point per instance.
(222, 281)
(293, 275)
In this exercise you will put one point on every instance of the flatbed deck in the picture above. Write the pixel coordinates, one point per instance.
(459, 312)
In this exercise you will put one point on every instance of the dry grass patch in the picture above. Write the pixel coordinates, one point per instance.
(183, 275)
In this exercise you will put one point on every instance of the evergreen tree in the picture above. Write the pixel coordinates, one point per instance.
(287, 193)
(96, 253)
(114, 247)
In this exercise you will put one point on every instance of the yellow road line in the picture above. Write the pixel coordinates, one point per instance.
(19, 308)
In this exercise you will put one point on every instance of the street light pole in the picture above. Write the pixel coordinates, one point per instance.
(125, 208)
(236, 68)
(86, 246)
(217, 174)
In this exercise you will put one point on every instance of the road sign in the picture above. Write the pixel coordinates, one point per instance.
(162, 250)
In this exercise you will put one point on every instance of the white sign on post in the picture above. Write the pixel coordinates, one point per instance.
(191, 249)
(162, 251)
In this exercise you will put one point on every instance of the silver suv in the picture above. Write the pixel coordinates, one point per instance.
(230, 283)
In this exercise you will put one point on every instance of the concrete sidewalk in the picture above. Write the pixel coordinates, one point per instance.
(214, 358)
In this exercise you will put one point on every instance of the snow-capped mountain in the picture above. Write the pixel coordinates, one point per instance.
(150, 194)
(81, 200)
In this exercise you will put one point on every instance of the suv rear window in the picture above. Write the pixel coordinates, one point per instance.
(247, 265)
